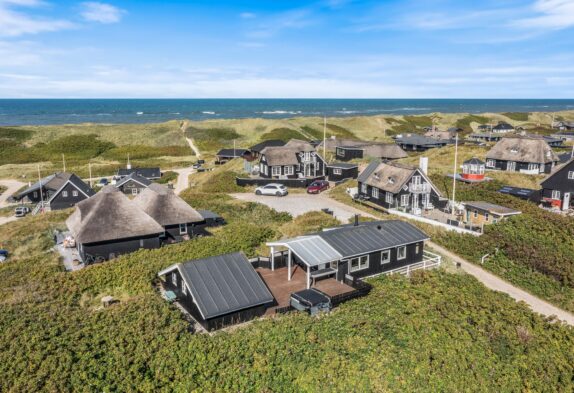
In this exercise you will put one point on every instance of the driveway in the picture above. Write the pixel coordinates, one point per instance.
(12, 186)
(182, 179)
(298, 204)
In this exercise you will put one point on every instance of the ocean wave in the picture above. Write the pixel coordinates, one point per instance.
(208, 113)
(139, 113)
(175, 113)
(279, 112)
(103, 114)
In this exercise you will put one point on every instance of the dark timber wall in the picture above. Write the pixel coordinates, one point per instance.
(295, 183)
(61, 202)
(118, 247)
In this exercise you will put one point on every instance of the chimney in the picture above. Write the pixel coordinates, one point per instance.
(356, 220)
(424, 164)
(129, 165)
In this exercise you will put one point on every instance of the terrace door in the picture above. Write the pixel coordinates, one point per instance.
(511, 166)
(566, 201)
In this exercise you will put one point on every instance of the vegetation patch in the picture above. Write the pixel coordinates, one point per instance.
(412, 124)
(212, 139)
(309, 223)
(167, 177)
(283, 134)
(339, 131)
(143, 152)
(518, 116)
(465, 122)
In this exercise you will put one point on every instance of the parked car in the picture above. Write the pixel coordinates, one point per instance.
(197, 165)
(200, 162)
(3, 255)
(272, 189)
(318, 186)
(103, 182)
(21, 211)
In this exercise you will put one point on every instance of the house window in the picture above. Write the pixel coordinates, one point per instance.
(340, 152)
(134, 191)
(289, 170)
(532, 167)
(485, 216)
(475, 213)
(571, 175)
(182, 229)
(417, 248)
(556, 194)
(358, 263)
(375, 193)
(490, 163)
(337, 171)
(401, 253)
(275, 171)
(405, 200)
(65, 194)
(385, 256)
(184, 289)
(363, 188)
(389, 198)
(35, 194)
(75, 193)
(174, 278)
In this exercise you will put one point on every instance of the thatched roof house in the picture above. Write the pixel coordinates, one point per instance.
(522, 154)
(110, 216)
(165, 207)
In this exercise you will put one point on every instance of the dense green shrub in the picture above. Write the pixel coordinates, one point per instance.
(212, 139)
(464, 123)
(167, 177)
(142, 152)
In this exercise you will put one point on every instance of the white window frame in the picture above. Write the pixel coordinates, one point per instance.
(65, 194)
(570, 175)
(275, 170)
(183, 229)
(363, 263)
(532, 166)
(340, 152)
(386, 260)
(486, 216)
(337, 171)
(134, 191)
(184, 289)
(364, 188)
(174, 278)
(402, 249)
(417, 248)
(405, 200)
(389, 197)
(289, 170)
(556, 194)
(75, 193)
(35, 194)
(375, 192)
(490, 163)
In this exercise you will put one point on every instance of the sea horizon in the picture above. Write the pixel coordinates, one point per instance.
(55, 111)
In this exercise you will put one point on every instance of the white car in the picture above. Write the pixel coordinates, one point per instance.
(272, 189)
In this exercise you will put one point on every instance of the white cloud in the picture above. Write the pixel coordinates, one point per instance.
(553, 14)
(247, 15)
(94, 11)
(14, 23)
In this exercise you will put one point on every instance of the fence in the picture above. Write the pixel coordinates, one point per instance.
(430, 261)
(361, 289)
(295, 183)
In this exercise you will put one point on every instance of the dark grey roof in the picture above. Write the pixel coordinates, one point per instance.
(420, 140)
(223, 284)
(503, 126)
(52, 182)
(368, 171)
(149, 173)
(492, 208)
(372, 236)
(342, 165)
(474, 161)
(208, 215)
(269, 143)
(81, 185)
(524, 193)
(231, 152)
(135, 177)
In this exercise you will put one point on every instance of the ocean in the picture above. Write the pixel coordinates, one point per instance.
(72, 111)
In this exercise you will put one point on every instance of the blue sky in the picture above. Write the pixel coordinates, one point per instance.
(291, 49)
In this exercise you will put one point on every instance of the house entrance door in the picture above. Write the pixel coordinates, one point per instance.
(415, 201)
(566, 201)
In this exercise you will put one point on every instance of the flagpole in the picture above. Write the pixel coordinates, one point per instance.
(41, 191)
(324, 142)
(454, 176)
(64, 161)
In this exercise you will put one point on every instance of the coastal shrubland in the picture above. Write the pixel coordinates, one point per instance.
(465, 122)
(518, 116)
(283, 134)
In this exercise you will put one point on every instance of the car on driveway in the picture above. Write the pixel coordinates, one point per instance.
(272, 189)
(103, 182)
(317, 186)
(21, 211)
(3, 255)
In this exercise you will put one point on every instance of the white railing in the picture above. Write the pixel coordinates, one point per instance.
(421, 188)
(430, 261)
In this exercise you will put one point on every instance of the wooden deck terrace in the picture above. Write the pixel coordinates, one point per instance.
(281, 288)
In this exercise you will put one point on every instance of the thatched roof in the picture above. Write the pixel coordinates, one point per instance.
(522, 149)
(389, 151)
(280, 155)
(387, 176)
(161, 203)
(332, 143)
(110, 215)
(299, 145)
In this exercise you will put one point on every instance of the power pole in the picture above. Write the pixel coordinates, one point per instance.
(64, 161)
(90, 169)
(324, 142)
(454, 176)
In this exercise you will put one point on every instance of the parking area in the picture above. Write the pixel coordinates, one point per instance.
(298, 204)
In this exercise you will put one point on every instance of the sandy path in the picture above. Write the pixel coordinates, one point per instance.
(12, 186)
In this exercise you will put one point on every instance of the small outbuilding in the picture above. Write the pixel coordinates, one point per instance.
(473, 170)
(148, 173)
(218, 291)
(226, 155)
(480, 213)
(417, 142)
(133, 184)
(339, 171)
